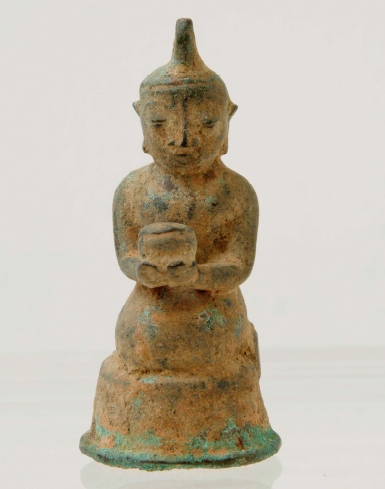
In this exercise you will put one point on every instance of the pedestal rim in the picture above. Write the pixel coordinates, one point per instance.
(126, 460)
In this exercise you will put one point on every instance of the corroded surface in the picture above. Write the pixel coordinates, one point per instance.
(182, 387)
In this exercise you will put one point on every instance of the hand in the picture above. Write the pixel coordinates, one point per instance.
(180, 274)
(149, 276)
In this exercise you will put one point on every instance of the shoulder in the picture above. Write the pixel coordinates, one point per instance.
(240, 188)
(132, 183)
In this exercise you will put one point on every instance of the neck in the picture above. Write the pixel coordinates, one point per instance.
(185, 172)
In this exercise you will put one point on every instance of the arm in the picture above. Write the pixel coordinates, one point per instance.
(126, 240)
(125, 233)
(232, 268)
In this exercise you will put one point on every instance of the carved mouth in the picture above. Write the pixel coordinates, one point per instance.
(184, 158)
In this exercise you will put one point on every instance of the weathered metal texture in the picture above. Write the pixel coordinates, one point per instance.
(182, 387)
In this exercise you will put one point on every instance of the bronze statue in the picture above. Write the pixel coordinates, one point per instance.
(182, 387)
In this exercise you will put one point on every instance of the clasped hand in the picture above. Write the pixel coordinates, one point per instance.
(175, 275)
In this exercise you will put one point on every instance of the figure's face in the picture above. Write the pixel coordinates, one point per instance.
(185, 129)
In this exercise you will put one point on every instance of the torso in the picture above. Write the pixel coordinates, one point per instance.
(210, 207)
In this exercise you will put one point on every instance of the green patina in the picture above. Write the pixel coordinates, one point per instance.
(211, 201)
(236, 446)
(212, 318)
(151, 331)
(238, 329)
(160, 82)
(131, 176)
(145, 318)
(129, 442)
(232, 438)
(147, 440)
(223, 184)
(102, 432)
(149, 380)
(137, 403)
(163, 195)
(160, 201)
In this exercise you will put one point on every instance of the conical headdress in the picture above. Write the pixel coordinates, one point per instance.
(185, 67)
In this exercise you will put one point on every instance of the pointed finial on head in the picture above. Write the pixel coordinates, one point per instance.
(185, 50)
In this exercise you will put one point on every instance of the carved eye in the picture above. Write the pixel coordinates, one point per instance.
(157, 122)
(210, 122)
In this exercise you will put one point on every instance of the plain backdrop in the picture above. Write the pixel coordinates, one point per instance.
(308, 77)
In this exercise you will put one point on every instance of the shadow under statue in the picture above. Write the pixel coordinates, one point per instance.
(182, 388)
(257, 476)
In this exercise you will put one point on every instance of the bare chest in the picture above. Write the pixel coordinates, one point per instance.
(209, 210)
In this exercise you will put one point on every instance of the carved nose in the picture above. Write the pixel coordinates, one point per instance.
(180, 138)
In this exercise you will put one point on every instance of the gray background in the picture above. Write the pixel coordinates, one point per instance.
(309, 135)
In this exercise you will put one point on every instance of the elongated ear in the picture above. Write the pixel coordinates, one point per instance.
(232, 109)
(136, 106)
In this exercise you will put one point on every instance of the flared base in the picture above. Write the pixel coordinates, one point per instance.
(269, 443)
(168, 419)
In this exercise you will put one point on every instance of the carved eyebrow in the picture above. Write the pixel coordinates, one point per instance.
(152, 102)
(157, 120)
(157, 103)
